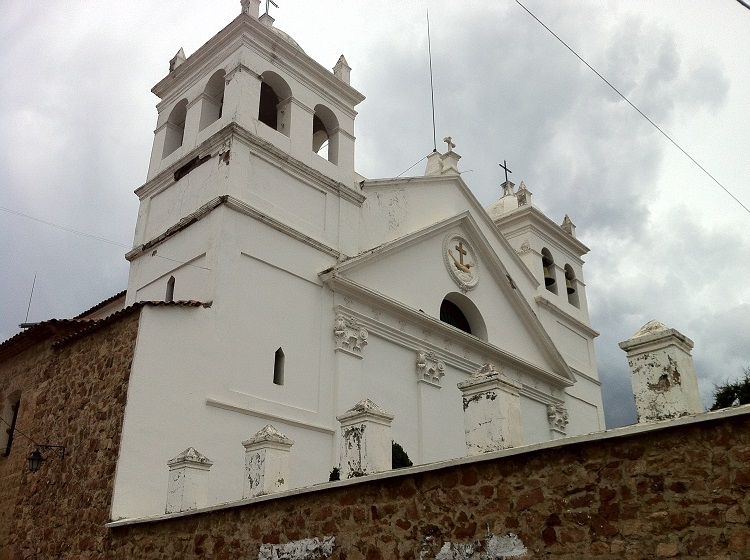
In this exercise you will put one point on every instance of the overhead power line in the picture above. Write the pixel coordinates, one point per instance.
(95, 237)
(714, 179)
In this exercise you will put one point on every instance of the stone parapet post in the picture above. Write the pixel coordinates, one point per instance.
(492, 411)
(188, 481)
(365, 440)
(266, 462)
(662, 373)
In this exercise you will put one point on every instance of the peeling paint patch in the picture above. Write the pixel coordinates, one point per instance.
(491, 548)
(305, 549)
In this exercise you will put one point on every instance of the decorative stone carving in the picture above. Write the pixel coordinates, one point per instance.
(350, 336)
(429, 368)
(525, 247)
(461, 261)
(557, 415)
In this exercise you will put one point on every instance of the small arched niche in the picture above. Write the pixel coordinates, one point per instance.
(571, 286)
(548, 268)
(175, 128)
(275, 94)
(213, 99)
(325, 134)
(459, 311)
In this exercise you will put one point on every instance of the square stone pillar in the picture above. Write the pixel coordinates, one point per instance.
(266, 462)
(242, 96)
(188, 481)
(492, 411)
(366, 445)
(662, 373)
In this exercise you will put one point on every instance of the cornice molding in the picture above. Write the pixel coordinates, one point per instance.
(246, 31)
(238, 206)
(222, 140)
(345, 286)
(531, 215)
(580, 325)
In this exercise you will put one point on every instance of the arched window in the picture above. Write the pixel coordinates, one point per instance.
(170, 289)
(213, 100)
(273, 109)
(571, 286)
(10, 416)
(548, 266)
(325, 134)
(459, 311)
(278, 367)
(175, 128)
(451, 313)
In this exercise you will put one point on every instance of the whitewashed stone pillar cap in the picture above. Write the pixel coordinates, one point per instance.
(365, 410)
(266, 438)
(192, 458)
(488, 376)
(652, 332)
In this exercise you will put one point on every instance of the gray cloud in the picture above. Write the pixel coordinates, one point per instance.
(78, 120)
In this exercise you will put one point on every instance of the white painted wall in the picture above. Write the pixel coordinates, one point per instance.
(203, 376)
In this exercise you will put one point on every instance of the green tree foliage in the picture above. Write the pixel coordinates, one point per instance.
(733, 394)
(399, 457)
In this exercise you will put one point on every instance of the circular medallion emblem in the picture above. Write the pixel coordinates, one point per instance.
(461, 261)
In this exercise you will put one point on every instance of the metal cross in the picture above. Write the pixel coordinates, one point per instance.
(275, 5)
(461, 252)
(504, 165)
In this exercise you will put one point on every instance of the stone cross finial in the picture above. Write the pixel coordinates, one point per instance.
(448, 140)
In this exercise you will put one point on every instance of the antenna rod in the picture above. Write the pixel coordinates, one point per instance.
(432, 87)
(30, 296)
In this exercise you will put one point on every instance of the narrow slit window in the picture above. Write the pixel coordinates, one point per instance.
(170, 289)
(10, 417)
(278, 367)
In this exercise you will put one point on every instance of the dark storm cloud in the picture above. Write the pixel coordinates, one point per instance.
(78, 120)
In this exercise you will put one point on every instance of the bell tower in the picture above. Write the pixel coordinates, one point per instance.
(553, 253)
(251, 125)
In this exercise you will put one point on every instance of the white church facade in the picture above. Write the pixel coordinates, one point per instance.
(319, 287)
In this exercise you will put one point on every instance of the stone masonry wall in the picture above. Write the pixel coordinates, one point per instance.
(682, 491)
(73, 395)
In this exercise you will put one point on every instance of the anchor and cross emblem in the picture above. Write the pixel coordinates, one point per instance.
(459, 263)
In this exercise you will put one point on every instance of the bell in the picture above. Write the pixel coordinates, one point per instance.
(569, 287)
(546, 260)
(548, 278)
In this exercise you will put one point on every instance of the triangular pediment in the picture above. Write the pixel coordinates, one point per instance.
(414, 273)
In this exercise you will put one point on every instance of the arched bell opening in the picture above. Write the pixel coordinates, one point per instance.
(213, 99)
(175, 128)
(548, 268)
(325, 134)
(571, 286)
(273, 110)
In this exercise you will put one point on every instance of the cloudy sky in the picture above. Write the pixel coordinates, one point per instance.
(77, 117)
